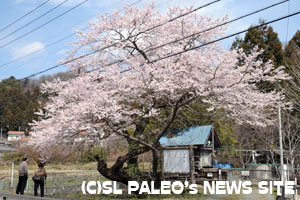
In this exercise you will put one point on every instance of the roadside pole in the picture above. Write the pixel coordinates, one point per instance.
(281, 149)
(12, 175)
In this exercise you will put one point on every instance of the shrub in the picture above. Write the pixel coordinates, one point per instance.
(89, 154)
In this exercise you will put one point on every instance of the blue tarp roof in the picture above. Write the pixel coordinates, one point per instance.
(195, 135)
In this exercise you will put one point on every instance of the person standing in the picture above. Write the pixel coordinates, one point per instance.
(23, 176)
(39, 178)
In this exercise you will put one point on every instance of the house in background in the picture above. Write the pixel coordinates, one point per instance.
(188, 155)
(15, 135)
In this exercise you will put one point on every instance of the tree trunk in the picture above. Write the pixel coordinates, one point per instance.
(292, 160)
(132, 168)
(155, 173)
(117, 172)
(115, 175)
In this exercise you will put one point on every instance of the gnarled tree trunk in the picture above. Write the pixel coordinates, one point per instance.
(117, 172)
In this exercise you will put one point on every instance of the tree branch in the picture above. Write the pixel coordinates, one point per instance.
(126, 135)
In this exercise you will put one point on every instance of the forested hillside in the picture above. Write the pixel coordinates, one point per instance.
(19, 100)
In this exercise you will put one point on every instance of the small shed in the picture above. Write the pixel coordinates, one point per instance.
(188, 154)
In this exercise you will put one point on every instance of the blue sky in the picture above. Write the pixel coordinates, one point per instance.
(10, 10)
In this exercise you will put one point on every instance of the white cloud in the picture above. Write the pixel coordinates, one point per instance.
(218, 9)
(20, 51)
(61, 52)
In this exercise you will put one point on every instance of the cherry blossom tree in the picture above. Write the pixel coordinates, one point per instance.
(136, 94)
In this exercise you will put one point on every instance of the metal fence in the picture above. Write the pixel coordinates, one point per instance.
(259, 172)
(253, 175)
(55, 183)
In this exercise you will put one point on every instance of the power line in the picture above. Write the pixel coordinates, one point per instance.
(219, 25)
(62, 39)
(43, 24)
(226, 37)
(87, 27)
(173, 19)
(165, 44)
(170, 20)
(57, 42)
(53, 43)
(52, 93)
(49, 11)
(162, 58)
(111, 45)
(38, 50)
(12, 23)
(134, 3)
(181, 52)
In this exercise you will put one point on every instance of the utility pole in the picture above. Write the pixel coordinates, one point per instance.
(12, 175)
(281, 149)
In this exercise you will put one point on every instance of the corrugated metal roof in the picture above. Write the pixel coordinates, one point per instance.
(196, 135)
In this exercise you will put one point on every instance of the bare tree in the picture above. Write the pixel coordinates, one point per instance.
(291, 140)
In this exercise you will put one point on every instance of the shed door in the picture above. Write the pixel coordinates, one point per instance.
(205, 158)
(176, 161)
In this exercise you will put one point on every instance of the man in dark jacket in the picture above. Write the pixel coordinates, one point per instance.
(23, 176)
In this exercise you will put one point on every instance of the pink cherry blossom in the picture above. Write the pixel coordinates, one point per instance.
(119, 94)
